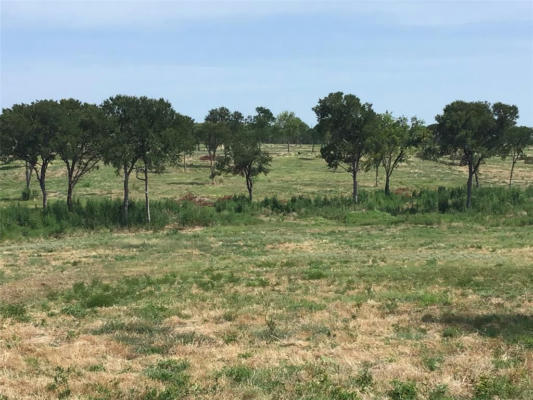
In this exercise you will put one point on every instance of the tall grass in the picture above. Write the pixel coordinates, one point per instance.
(374, 207)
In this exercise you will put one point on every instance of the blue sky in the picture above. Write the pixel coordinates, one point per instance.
(408, 57)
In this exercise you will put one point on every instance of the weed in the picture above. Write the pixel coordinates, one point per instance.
(14, 311)
(314, 274)
(95, 368)
(439, 393)
(60, 383)
(364, 379)
(403, 390)
(238, 373)
(169, 371)
(488, 388)
(451, 332)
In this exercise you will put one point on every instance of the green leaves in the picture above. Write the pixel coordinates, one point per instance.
(143, 129)
(288, 127)
(474, 131)
(350, 124)
(243, 156)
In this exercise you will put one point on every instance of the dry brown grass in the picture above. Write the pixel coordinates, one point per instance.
(347, 334)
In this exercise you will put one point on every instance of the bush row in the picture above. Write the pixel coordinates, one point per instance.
(373, 207)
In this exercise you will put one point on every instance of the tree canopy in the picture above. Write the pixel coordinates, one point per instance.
(289, 127)
(145, 135)
(244, 156)
(350, 125)
(516, 139)
(475, 130)
(391, 142)
(79, 140)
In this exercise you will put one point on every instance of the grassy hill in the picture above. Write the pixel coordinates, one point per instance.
(272, 305)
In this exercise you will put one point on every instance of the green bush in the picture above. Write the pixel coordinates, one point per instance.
(169, 371)
(403, 390)
(421, 207)
(499, 387)
(14, 311)
(238, 373)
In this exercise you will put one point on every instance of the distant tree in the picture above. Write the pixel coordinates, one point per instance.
(317, 136)
(144, 137)
(121, 146)
(236, 123)
(262, 123)
(12, 121)
(373, 162)
(516, 139)
(289, 127)
(78, 142)
(244, 156)
(162, 141)
(350, 125)
(475, 130)
(214, 132)
(187, 140)
(30, 131)
(505, 115)
(428, 148)
(392, 141)
(6, 146)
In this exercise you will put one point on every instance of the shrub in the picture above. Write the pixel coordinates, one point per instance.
(373, 207)
(14, 311)
(238, 373)
(488, 388)
(169, 371)
(439, 393)
(403, 390)
(364, 379)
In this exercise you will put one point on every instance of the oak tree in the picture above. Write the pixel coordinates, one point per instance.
(474, 130)
(350, 125)
(515, 141)
(244, 156)
(79, 140)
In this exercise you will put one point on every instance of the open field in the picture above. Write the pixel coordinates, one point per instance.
(301, 172)
(284, 308)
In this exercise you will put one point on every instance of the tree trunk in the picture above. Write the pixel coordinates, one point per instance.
(469, 186)
(355, 195)
(212, 167)
(70, 189)
(249, 186)
(477, 178)
(45, 196)
(313, 147)
(42, 184)
(512, 169)
(184, 162)
(288, 147)
(387, 183)
(126, 195)
(28, 176)
(70, 186)
(146, 199)
(377, 172)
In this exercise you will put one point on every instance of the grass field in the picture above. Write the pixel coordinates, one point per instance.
(301, 172)
(284, 308)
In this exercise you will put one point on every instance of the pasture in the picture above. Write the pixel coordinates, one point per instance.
(276, 306)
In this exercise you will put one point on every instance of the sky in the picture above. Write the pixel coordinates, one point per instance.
(407, 57)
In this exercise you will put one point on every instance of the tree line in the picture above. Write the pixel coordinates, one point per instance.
(141, 136)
